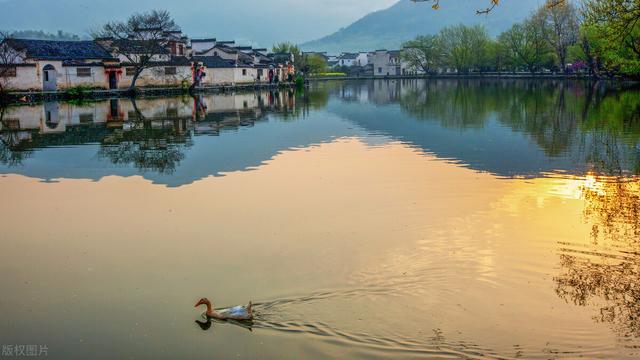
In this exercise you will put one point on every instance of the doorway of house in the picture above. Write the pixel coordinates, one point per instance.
(113, 80)
(49, 78)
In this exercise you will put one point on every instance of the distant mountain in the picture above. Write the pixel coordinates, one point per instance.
(43, 35)
(405, 20)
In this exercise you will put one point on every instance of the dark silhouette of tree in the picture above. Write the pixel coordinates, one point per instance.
(140, 40)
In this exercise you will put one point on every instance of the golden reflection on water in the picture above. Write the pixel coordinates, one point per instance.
(403, 251)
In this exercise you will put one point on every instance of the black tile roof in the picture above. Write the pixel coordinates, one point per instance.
(218, 62)
(60, 50)
(203, 40)
(139, 47)
(175, 61)
(349, 56)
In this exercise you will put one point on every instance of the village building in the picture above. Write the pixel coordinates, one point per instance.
(220, 71)
(165, 68)
(389, 63)
(348, 59)
(46, 65)
(175, 61)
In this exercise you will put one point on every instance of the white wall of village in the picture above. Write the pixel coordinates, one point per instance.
(228, 76)
(31, 77)
(156, 77)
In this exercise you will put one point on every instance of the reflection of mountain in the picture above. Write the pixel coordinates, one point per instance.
(509, 128)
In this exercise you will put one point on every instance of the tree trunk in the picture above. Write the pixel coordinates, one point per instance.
(132, 87)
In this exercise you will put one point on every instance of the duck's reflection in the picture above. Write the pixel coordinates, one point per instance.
(207, 324)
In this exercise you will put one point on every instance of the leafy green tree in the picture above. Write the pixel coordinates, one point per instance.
(497, 56)
(526, 45)
(315, 64)
(590, 49)
(423, 53)
(290, 48)
(464, 47)
(618, 24)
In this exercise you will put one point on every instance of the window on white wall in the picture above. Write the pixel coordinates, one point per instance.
(130, 71)
(83, 72)
(168, 71)
(244, 72)
(10, 71)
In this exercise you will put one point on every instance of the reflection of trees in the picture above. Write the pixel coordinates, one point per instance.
(594, 119)
(455, 104)
(12, 150)
(606, 274)
(155, 146)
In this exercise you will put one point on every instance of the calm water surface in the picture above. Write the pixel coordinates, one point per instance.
(387, 219)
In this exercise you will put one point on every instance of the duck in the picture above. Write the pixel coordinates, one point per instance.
(241, 313)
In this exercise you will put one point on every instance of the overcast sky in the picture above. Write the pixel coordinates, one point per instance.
(258, 21)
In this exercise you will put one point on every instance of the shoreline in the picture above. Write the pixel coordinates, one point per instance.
(505, 76)
(31, 97)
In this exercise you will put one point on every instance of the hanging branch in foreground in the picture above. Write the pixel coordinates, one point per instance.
(435, 4)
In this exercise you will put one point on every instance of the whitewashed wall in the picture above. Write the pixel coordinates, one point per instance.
(156, 77)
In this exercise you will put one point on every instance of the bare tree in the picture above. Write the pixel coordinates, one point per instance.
(8, 59)
(141, 40)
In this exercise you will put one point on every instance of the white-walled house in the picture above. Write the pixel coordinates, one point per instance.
(108, 63)
(57, 65)
(354, 59)
(221, 71)
(43, 65)
(363, 58)
(389, 63)
(199, 46)
(348, 59)
(166, 69)
(174, 71)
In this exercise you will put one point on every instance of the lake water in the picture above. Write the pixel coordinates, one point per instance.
(386, 219)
